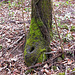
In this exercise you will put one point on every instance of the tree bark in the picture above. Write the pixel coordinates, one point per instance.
(40, 34)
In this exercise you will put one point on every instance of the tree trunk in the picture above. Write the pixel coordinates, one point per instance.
(40, 34)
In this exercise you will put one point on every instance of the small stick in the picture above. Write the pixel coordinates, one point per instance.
(58, 31)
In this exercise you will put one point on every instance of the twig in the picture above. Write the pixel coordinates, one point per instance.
(58, 31)
(72, 46)
(15, 48)
(48, 61)
(18, 46)
(65, 50)
(18, 40)
(51, 52)
(57, 26)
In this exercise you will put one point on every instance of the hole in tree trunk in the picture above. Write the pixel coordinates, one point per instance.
(32, 48)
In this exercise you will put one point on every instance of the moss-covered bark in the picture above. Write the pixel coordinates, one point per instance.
(40, 33)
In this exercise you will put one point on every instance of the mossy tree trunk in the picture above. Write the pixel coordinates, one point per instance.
(40, 34)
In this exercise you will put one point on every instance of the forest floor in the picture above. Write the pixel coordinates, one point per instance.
(12, 38)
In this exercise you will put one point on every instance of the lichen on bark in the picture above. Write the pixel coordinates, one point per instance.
(38, 38)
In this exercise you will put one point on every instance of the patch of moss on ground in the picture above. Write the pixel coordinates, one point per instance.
(73, 69)
(61, 73)
(72, 28)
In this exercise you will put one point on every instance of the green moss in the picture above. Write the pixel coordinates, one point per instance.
(51, 35)
(72, 28)
(63, 56)
(35, 39)
(35, 33)
(0, 47)
(61, 73)
(54, 67)
(73, 69)
(47, 6)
